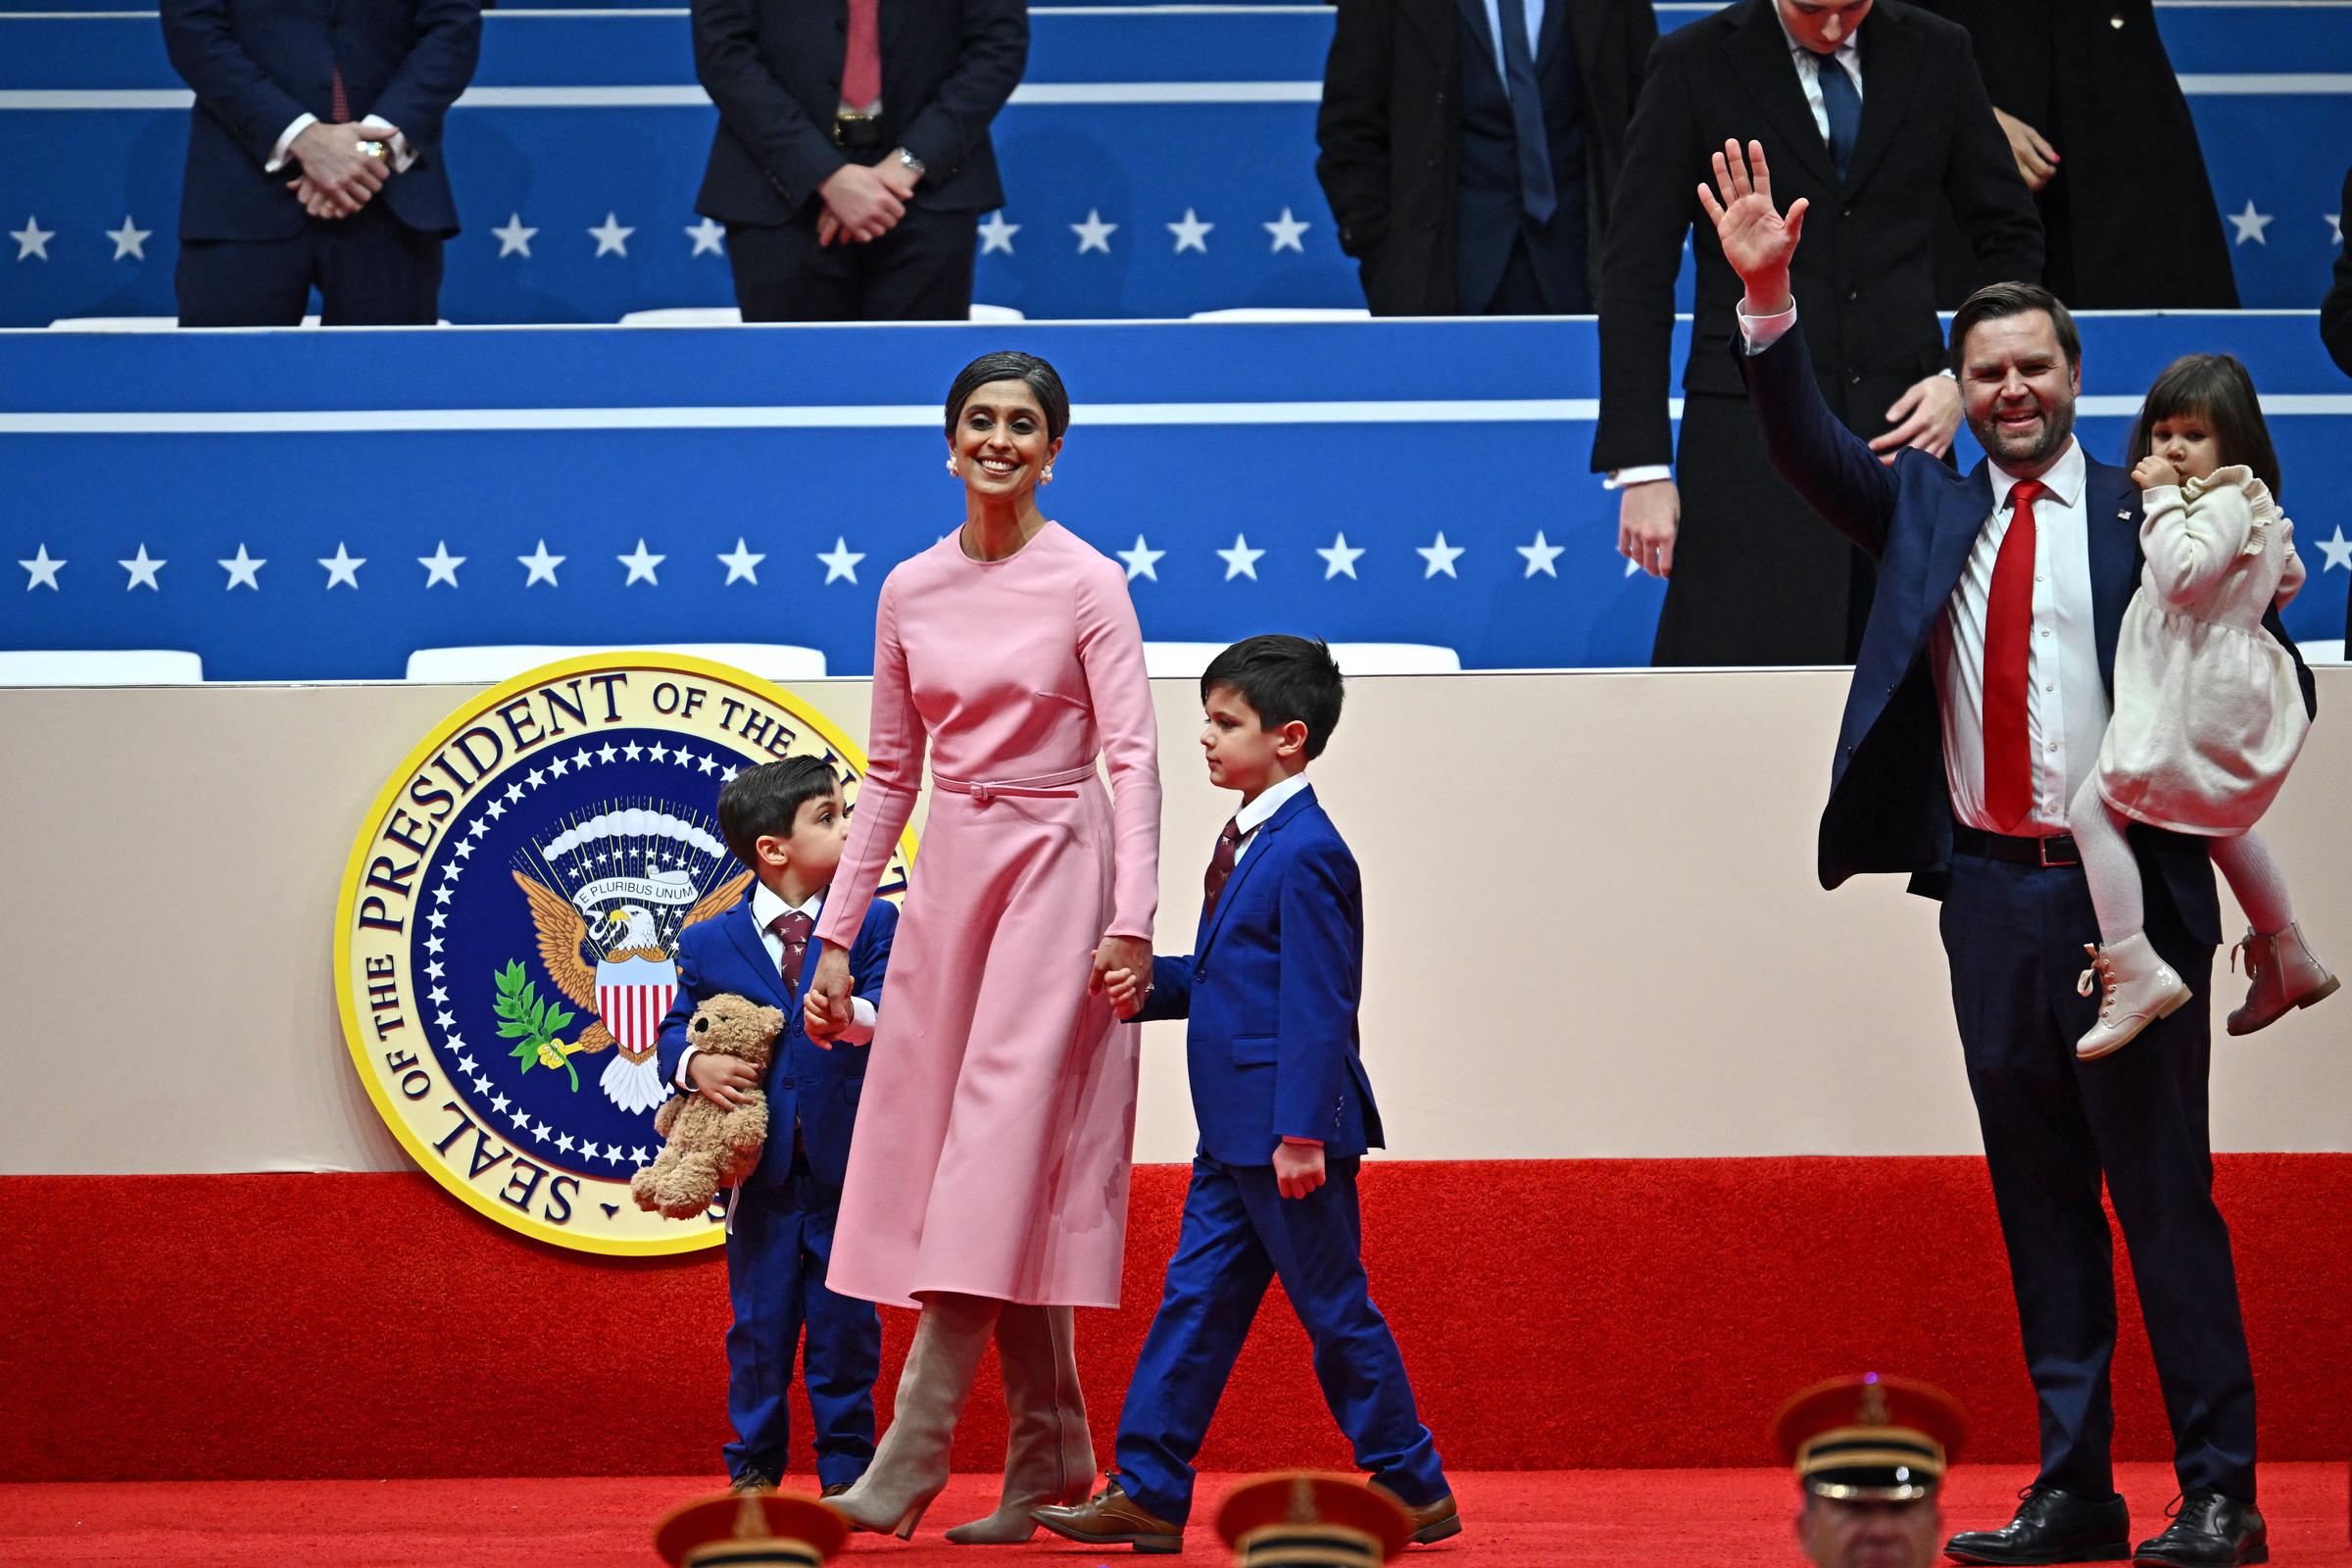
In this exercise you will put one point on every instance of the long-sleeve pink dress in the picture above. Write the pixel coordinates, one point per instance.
(997, 1125)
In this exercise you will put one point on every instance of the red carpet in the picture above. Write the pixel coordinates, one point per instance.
(1530, 1519)
(1559, 1313)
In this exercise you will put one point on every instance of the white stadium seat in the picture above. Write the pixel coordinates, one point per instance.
(1185, 661)
(113, 666)
(729, 315)
(1283, 313)
(2322, 651)
(504, 662)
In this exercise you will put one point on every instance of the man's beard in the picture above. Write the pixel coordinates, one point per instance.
(2057, 424)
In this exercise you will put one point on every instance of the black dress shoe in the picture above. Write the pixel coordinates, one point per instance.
(2210, 1529)
(2052, 1527)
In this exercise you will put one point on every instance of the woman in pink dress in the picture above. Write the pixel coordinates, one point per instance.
(988, 1179)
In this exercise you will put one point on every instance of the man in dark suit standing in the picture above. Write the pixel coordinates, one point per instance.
(1980, 697)
(853, 159)
(1471, 148)
(314, 157)
(1874, 110)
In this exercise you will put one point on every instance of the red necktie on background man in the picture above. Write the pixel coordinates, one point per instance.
(2008, 637)
(861, 67)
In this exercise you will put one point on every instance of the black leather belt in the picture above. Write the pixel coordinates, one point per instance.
(2058, 850)
(857, 134)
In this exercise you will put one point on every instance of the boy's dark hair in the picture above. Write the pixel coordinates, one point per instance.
(2218, 388)
(1012, 365)
(1995, 301)
(767, 800)
(1284, 678)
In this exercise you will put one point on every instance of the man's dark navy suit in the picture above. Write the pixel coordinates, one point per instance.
(2054, 1128)
(780, 1229)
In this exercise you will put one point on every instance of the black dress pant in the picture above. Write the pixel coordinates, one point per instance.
(371, 270)
(921, 270)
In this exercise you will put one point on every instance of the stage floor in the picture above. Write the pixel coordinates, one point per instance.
(1631, 1518)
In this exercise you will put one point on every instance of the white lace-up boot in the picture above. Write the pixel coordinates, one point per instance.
(2137, 988)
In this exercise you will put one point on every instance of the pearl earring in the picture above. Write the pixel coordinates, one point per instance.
(951, 462)
(1049, 473)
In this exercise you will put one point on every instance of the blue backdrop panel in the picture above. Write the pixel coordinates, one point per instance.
(1451, 455)
(577, 117)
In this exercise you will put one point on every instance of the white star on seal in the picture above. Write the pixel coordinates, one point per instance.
(997, 234)
(142, 571)
(1286, 231)
(1441, 557)
(611, 237)
(130, 240)
(741, 566)
(1192, 234)
(541, 565)
(658, 752)
(1541, 555)
(515, 239)
(1142, 561)
(41, 570)
(441, 567)
(32, 239)
(2250, 224)
(1340, 557)
(641, 564)
(1094, 234)
(606, 752)
(1241, 560)
(343, 568)
(710, 239)
(840, 560)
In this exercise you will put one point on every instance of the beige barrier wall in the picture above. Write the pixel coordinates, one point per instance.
(1595, 928)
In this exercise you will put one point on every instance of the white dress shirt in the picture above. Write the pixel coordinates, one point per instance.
(765, 907)
(2065, 700)
(1249, 819)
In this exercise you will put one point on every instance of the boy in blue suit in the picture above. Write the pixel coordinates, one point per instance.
(785, 820)
(1286, 1114)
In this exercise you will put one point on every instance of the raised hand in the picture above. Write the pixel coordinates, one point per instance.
(1757, 238)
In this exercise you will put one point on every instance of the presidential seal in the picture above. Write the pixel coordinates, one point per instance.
(510, 911)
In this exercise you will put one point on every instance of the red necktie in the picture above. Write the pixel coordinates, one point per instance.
(2008, 635)
(340, 109)
(1220, 864)
(861, 67)
(794, 927)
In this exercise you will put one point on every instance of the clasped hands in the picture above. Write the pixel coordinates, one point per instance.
(865, 201)
(338, 179)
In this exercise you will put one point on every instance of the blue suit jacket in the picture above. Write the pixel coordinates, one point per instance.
(1271, 990)
(1890, 803)
(257, 66)
(805, 1083)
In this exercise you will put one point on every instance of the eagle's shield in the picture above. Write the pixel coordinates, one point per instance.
(632, 995)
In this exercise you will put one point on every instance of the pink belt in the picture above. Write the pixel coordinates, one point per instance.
(982, 791)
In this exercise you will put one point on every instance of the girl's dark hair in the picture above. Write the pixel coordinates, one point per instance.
(1012, 366)
(2217, 388)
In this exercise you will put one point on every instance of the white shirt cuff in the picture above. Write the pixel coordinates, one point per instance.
(1760, 332)
(285, 142)
(1644, 474)
(679, 1077)
(383, 131)
(861, 1030)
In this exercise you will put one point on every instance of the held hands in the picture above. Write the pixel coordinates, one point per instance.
(1924, 417)
(1122, 968)
(1648, 518)
(1297, 1166)
(2036, 158)
(2152, 473)
(1127, 991)
(825, 1008)
(863, 201)
(1757, 238)
(724, 1081)
(341, 178)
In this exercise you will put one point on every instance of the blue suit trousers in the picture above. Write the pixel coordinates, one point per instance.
(1239, 1235)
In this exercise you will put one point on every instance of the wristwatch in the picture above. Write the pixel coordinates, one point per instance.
(908, 159)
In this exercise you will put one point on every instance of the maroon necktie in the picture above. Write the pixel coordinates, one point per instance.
(861, 67)
(793, 927)
(339, 110)
(1220, 864)
(2008, 635)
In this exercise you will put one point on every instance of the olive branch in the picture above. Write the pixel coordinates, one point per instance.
(529, 1021)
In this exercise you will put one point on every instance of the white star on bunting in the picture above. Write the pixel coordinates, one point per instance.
(1192, 234)
(840, 560)
(243, 571)
(32, 239)
(1340, 557)
(1094, 234)
(641, 564)
(1241, 560)
(2250, 224)
(2336, 228)
(708, 236)
(611, 237)
(541, 565)
(1541, 555)
(997, 234)
(129, 240)
(2337, 550)
(1142, 561)
(1286, 231)
(1441, 557)
(741, 566)
(441, 567)
(343, 566)
(515, 239)
(41, 572)
(142, 571)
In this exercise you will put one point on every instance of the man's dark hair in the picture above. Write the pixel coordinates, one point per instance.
(1012, 365)
(2216, 388)
(767, 800)
(1284, 678)
(1995, 301)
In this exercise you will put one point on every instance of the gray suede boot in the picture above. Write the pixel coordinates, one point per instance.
(1049, 1457)
(910, 1463)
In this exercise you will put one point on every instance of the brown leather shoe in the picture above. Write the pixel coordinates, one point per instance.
(1432, 1521)
(1111, 1519)
(750, 1478)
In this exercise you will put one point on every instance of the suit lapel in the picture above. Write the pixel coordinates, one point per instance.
(1474, 12)
(1891, 68)
(746, 937)
(1560, 17)
(1759, 55)
(1957, 526)
(1260, 846)
(2111, 524)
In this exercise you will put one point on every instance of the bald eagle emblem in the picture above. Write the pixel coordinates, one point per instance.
(608, 943)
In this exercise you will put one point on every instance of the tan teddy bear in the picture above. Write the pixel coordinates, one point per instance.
(709, 1148)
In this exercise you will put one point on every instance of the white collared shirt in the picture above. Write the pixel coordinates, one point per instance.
(1808, 70)
(765, 907)
(1249, 819)
(1534, 29)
